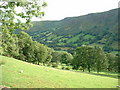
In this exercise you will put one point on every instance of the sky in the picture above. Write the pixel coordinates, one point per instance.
(59, 9)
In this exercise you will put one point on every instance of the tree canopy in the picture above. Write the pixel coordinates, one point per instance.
(91, 58)
(12, 19)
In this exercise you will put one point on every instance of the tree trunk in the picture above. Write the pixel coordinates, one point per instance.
(89, 68)
(98, 70)
(83, 69)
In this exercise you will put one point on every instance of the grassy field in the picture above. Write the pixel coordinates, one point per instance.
(19, 74)
(74, 38)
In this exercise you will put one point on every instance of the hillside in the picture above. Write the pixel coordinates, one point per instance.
(19, 74)
(98, 29)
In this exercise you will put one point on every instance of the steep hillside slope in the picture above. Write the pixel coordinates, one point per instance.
(19, 74)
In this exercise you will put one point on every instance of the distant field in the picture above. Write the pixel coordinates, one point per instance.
(19, 74)
(74, 38)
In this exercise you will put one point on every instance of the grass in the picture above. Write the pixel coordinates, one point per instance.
(88, 37)
(34, 76)
(73, 39)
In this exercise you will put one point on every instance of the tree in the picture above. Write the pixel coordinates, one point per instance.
(84, 57)
(100, 59)
(49, 55)
(61, 57)
(11, 20)
(78, 60)
(9, 46)
(117, 64)
(111, 61)
(66, 58)
(26, 47)
(56, 57)
(89, 57)
(32, 51)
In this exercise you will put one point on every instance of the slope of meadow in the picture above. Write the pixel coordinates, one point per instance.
(19, 74)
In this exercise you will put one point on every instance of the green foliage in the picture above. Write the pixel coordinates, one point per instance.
(25, 44)
(89, 57)
(42, 53)
(55, 65)
(61, 57)
(112, 62)
(66, 67)
(9, 44)
(11, 19)
(34, 51)
(21, 46)
(100, 59)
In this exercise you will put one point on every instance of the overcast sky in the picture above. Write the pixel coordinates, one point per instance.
(59, 9)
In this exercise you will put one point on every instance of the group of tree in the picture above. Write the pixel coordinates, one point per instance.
(94, 59)
(62, 57)
(22, 47)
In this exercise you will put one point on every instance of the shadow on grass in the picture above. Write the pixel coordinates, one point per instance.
(99, 74)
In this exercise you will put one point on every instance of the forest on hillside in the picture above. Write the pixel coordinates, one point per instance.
(96, 29)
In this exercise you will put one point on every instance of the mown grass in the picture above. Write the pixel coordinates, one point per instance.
(19, 74)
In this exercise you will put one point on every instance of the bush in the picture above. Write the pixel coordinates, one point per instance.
(41, 64)
(65, 67)
(54, 65)
(68, 68)
(49, 64)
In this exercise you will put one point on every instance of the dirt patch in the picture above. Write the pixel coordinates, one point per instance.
(5, 88)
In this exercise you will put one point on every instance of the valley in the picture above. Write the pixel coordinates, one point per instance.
(96, 29)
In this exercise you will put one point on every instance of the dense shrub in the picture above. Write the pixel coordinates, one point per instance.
(55, 65)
